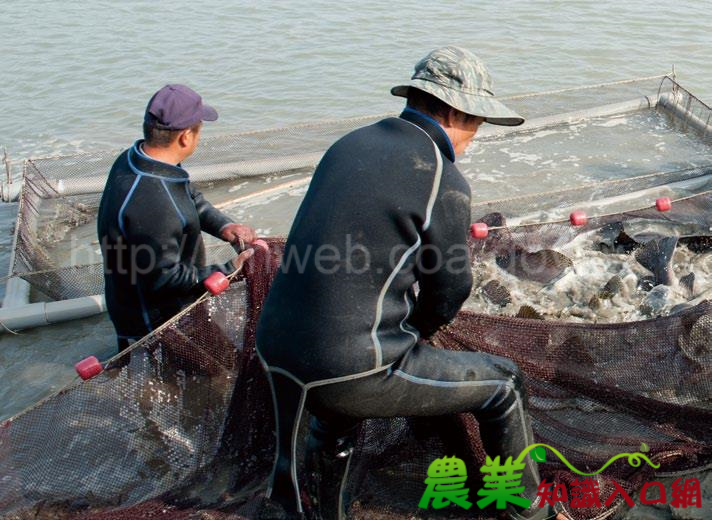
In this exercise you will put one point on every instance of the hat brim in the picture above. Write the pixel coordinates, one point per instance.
(494, 111)
(208, 113)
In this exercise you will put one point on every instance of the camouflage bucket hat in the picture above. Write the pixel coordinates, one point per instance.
(460, 79)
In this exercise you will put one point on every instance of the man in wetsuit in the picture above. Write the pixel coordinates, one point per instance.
(343, 331)
(151, 218)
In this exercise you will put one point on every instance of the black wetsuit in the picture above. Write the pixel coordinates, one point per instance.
(149, 224)
(341, 331)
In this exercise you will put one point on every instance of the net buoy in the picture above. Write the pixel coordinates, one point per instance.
(88, 368)
(663, 204)
(479, 230)
(216, 283)
(578, 218)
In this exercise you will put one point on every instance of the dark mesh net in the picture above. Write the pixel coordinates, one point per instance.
(182, 422)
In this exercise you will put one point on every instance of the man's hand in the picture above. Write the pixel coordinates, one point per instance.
(240, 259)
(238, 233)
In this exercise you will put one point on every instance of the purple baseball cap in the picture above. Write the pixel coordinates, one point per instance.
(177, 107)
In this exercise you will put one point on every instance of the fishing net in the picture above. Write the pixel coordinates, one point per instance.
(181, 425)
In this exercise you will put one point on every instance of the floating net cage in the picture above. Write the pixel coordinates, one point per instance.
(180, 425)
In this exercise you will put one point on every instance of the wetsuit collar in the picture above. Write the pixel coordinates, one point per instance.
(142, 164)
(432, 128)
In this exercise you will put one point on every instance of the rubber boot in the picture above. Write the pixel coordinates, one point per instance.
(327, 457)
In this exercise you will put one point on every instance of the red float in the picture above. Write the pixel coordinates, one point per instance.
(88, 368)
(479, 230)
(216, 283)
(578, 218)
(663, 204)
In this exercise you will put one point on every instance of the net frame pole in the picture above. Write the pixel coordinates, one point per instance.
(47, 313)
(669, 102)
(208, 173)
(17, 290)
(633, 105)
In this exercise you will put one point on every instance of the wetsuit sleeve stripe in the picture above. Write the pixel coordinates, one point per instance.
(125, 203)
(436, 188)
(382, 296)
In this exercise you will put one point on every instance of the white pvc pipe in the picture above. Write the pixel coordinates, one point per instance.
(671, 103)
(212, 172)
(47, 313)
(642, 103)
(198, 173)
(216, 172)
(285, 186)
